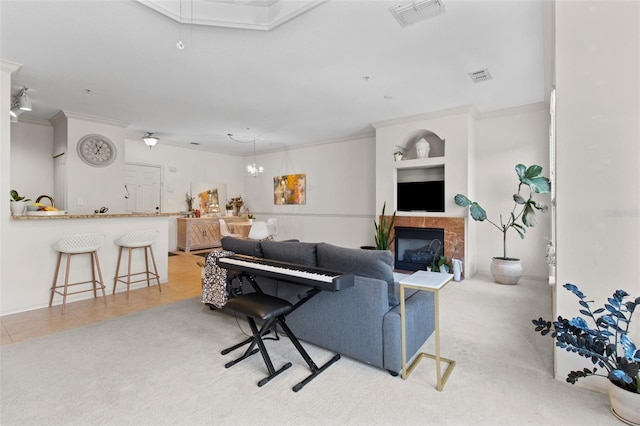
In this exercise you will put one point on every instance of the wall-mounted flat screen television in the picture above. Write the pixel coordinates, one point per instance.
(421, 196)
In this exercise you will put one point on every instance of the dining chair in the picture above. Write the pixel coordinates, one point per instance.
(258, 230)
(272, 226)
(224, 230)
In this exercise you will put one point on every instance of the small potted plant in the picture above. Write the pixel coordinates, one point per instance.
(440, 264)
(603, 339)
(398, 155)
(505, 269)
(384, 230)
(250, 217)
(18, 203)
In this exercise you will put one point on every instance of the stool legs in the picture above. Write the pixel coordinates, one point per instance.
(149, 275)
(55, 280)
(95, 281)
(155, 268)
(257, 340)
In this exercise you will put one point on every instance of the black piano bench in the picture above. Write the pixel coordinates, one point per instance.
(269, 309)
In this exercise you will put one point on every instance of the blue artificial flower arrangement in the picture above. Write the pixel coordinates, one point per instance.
(607, 345)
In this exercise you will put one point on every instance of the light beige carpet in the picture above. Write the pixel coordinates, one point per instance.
(163, 366)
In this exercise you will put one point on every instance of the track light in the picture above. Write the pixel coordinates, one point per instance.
(20, 103)
(24, 101)
(150, 140)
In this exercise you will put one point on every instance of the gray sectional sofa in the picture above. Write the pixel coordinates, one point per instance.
(361, 322)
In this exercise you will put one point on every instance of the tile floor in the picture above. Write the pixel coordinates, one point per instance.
(184, 282)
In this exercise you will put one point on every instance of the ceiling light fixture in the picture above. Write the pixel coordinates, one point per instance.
(253, 169)
(180, 44)
(410, 12)
(241, 138)
(25, 102)
(21, 101)
(150, 140)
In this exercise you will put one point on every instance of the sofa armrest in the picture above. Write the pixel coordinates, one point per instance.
(420, 324)
(348, 322)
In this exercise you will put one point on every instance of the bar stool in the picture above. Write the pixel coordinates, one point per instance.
(131, 241)
(72, 245)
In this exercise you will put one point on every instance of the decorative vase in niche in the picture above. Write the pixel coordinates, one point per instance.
(422, 148)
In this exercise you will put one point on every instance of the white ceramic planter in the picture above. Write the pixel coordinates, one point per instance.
(18, 208)
(506, 271)
(625, 405)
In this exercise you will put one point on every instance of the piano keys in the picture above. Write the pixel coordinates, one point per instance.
(322, 279)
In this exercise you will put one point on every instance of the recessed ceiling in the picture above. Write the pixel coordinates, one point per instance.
(248, 14)
(298, 83)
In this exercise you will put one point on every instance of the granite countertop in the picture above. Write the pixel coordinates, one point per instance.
(92, 216)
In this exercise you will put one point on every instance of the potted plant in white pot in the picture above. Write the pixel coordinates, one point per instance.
(603, 339)
(505, 269)
(18, 203)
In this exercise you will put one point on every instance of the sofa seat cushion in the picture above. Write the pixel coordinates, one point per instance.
(365, 263)
(293, 252)
(246, 247)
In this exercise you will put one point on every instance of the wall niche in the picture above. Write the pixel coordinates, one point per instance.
(436, 144)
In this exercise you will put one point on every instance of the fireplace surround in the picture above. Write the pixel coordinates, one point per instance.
(454, 237)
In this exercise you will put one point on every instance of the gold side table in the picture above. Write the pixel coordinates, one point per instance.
(425, 281)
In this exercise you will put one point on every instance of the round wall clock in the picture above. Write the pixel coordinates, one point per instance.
(96, 150)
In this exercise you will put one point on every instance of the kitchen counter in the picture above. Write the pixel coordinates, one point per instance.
(92, 216)
(29, 260)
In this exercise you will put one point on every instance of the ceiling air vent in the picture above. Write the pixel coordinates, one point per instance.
(480, 76)
(410, 12)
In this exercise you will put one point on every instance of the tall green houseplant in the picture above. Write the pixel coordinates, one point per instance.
(507, 270)
(523, 214)
(384, 230)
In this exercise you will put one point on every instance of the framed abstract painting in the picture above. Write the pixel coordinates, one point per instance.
(290, 189)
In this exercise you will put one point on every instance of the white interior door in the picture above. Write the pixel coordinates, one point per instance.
(142, 188)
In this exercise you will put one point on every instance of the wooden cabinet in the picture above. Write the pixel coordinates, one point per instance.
(201, 233)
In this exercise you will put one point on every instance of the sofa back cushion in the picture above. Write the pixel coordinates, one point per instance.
(366, 263)
(293, 252)
(247, 247)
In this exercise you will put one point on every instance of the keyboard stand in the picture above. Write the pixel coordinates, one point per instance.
(315, 370)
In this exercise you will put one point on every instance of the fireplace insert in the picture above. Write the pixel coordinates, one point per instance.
(417, 248)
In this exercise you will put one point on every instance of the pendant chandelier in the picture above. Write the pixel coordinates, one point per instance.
(253, 169)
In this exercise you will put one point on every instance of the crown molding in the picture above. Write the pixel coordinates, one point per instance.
(538, 106)
(85, 117)
(9, 66)
(470, 110)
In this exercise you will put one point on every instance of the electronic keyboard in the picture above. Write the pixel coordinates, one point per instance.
(322, 279)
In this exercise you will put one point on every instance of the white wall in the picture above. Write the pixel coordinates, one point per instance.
(90, 188)
(340, 194)
(598, 152)
(481, 151)
(503, 139)
(451, 125)
(184, 168)
(31, 154)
